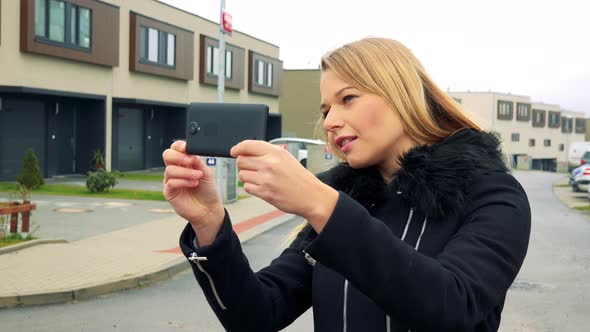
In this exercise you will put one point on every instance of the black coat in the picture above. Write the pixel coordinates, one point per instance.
(434, 250)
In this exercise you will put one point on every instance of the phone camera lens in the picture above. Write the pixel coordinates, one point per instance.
(193, 128)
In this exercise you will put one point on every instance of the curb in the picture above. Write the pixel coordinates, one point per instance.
(28, 244)
(163, 273)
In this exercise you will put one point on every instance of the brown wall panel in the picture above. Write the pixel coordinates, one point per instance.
(184, 68)
(277, 68)
(238, 61)
(104, 49)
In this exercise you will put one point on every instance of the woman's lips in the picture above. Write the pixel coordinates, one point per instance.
(347, 144)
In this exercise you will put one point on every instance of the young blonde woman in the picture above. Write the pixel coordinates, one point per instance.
(421, 228)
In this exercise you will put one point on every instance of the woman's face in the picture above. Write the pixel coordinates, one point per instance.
(362, 126)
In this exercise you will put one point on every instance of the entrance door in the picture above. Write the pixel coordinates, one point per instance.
(22, 126)
(62, 138)
(131, 149)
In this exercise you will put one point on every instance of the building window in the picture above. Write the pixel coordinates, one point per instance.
(532, 142)
(554, 119)
(213, 62)
(523, 112)
(515, 137)
(505, 110)
(567, 125)
(263, 74)
(539, 118)
(64, 23)
(580, 126)
(157, 47)
(547, 142)
(560, 147)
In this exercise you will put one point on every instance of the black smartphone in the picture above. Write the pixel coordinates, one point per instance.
(214, 128)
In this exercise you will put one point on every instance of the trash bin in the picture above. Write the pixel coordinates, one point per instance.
(226, 177)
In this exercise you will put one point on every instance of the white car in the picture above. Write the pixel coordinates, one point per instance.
(297, 146)
(580, 178)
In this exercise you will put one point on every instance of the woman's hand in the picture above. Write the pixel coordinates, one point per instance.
(189, 186)
(274, 175)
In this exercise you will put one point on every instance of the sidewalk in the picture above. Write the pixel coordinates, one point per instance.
(131, 257)
(563, 191)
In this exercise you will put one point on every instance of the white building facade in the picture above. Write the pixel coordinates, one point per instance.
(534, 135)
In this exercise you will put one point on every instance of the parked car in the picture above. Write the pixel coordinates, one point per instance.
(580, 178)
(297, 146)
(576, 152)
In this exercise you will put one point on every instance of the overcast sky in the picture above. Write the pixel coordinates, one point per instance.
(534, 48)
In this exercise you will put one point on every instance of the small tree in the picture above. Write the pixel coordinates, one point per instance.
(100, 181)
(30, 176)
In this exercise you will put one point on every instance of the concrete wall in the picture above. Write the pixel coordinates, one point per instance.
(300, 102)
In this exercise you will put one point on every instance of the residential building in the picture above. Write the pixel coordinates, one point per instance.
(81, 75)
(534, 135)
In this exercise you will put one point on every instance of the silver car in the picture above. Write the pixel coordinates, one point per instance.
(580, 178)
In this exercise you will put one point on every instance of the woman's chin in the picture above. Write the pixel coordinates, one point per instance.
(355, 163)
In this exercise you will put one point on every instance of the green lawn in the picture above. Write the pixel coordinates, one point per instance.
(583, 208)
(14, 239)
(66, 190)
(150, 177)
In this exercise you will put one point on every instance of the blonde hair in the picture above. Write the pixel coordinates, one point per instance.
(388, 69)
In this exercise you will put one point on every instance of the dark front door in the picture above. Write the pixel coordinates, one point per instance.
(131, 147)
(62, 138)
(22, 127)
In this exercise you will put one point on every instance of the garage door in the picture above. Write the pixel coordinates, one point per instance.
(22, 126)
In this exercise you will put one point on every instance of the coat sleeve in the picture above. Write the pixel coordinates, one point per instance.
(454, 290)
(268, 300)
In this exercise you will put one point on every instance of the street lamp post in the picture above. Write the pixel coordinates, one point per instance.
(568, 131)
(221, 64)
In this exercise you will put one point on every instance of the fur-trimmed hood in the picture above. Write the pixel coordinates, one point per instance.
(433, 179)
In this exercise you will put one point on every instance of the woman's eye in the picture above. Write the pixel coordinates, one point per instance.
(348, 99)
(325, 114)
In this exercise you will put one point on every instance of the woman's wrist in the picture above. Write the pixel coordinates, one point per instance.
(322, 208)
(208, 227)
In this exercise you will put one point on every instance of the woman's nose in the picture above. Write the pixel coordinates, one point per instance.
(332, 120)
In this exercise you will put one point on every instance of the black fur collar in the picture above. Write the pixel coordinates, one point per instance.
(433, 179)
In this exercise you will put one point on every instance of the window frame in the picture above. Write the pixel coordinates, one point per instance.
(162, 50)
(547, 142)
(557, 123)
(267, 74)
(515, 137)
(505, 114)
(580, 129)
(67, 28)
(523, 111)
(212, 65)
(543, 121)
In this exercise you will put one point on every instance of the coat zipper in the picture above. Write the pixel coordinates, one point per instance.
(197, 260)
(309, 259)
(344, 307)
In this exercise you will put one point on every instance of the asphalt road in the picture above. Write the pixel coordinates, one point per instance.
(550, 294)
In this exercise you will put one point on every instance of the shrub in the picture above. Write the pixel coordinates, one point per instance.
(100, 181)
(30, 176)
